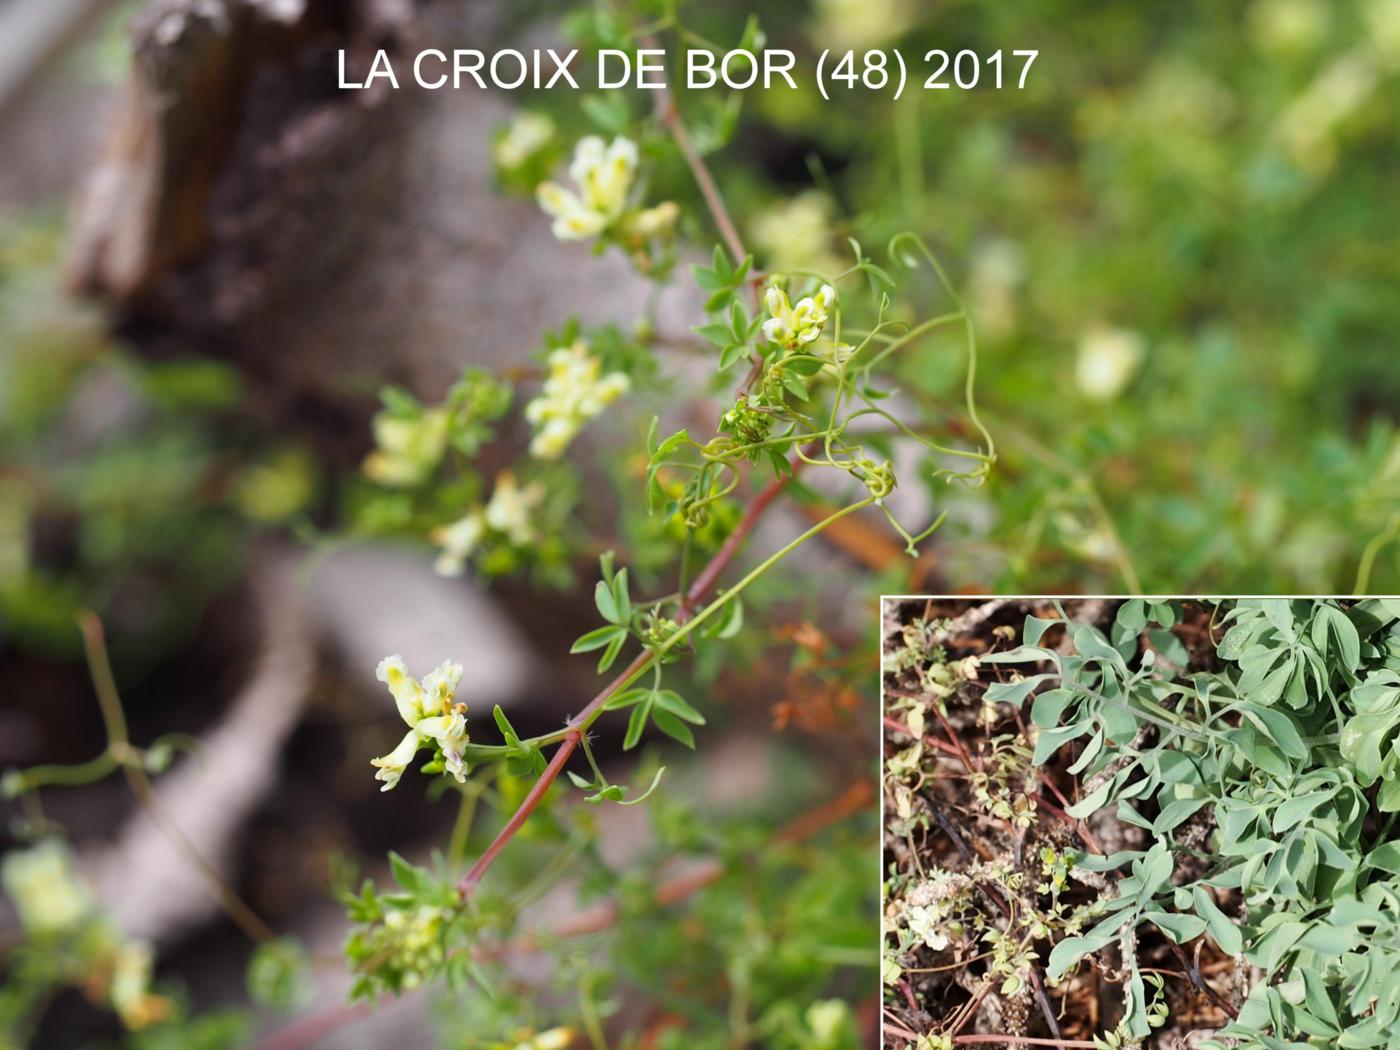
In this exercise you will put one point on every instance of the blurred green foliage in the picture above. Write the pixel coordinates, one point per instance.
(128, 486)
(1213, 181)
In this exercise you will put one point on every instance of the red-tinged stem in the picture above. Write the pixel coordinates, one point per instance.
(707, 576)
(306, 1031)
(670, 116)
(1080, 828)
(932, 741)
(702, 585)
(314, 1027)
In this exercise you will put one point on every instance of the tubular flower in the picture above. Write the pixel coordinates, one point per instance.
(433, 716)
(604, 175)
(793, 326)
(1108, 360)
(507, 514)
(509, 510)
(130, 992)
(47, 895)
(458, 540)
(573, 394)
(407, 451)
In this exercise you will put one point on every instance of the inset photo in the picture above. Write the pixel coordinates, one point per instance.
(1141, 822)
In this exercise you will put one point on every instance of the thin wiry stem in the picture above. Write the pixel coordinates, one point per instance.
(104, 683)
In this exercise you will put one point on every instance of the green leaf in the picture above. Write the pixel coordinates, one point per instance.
(606, 600)
(609, 656)
(731, 619)
(410, 879)
(1014, 692)
(673, 727)
(1386, 857)
(1070, 950)
(1279, 727)
(718, 334)
(1154, 870)
(1048, 706)
(669, 700)
(1329, 622)
(1294, 810)
(732, 354)
(279, 975)
(1036, 627)
(1327, 939)
(1178, 927)
(621, 597)
(1092, 802)
(508, 733)
(1174, 813)
(636, 724)
(597, 639)
(626, 698)
(1222, 930)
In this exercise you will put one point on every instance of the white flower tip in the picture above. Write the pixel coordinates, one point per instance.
(390, 666)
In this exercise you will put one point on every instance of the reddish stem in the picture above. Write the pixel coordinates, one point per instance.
(670, 116)
(313, 1028)
(693, 595)
(707, 576)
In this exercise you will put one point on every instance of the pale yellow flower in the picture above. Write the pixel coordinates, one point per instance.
(575, 392)
(526, 135)
(407, 451)
(432, 714)
(510, 509)
(130, 991)
(46, 892)
(793, 326)
(604, 175)
(458, 541)
(1108, 360)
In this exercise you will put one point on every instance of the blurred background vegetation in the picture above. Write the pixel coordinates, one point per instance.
(1196, 198)
(1179, 245)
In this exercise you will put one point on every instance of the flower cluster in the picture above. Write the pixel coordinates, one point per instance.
(928, 908)
(604, 175)
(574, 393)
(794, 326)
(507, 514)
(433, 716)
(407, 946)
(130, 989)
(407, 450)
(53, 902)
(47, 895)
